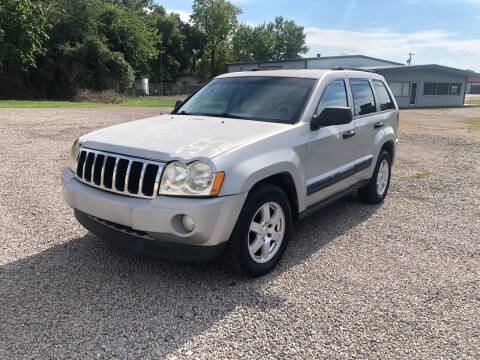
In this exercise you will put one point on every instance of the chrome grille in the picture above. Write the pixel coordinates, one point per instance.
(119, 174)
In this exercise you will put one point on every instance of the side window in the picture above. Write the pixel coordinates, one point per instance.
(455, 88)
(335, 95)
(363, 98)
(386, 102)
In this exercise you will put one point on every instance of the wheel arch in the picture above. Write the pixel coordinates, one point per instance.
(284, 181)
(389, 146)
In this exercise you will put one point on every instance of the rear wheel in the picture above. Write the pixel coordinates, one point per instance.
(377, 188)
(261, 233)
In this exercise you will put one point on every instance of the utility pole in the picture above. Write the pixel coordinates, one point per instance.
(409, 60)
(161, 68)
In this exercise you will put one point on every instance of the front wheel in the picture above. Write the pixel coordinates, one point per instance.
(262, 231)
(377, 188)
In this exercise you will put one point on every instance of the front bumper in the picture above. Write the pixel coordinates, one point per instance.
(142, 243)
(158, 218)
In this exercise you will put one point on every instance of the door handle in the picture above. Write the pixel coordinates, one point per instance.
(378, 125)
(348, 134)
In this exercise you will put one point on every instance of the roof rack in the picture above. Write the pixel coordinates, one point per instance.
(266, 68)
(352, 68)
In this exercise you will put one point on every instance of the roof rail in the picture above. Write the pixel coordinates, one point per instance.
(266, 68)
(352, 68)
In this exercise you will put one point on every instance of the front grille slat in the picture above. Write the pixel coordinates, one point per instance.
(114, 178)
(142, 175)
(109, 171)
(87, 170)
(81, 163)
(149, 179)
(134, 177)
(121, 177)
(98, 169)
(120, 174)
(129, 167)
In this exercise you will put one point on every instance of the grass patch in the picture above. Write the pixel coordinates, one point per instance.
(149, 101)
(472, 102)
(474, 122)
(418, 175)
(145, 101)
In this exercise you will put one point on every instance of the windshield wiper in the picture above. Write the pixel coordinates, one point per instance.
(224, 114)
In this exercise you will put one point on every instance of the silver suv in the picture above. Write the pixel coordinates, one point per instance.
(236, 164)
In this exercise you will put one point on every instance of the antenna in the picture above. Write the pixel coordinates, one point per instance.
(409, 60)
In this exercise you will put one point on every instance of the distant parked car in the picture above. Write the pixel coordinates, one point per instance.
(232, 167)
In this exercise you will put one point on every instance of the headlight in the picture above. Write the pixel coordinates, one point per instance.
(175, 176)
(72, 164)
(194, 179)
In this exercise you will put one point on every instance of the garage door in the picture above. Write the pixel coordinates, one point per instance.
(475, 89)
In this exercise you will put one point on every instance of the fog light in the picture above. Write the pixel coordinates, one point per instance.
(188, 223)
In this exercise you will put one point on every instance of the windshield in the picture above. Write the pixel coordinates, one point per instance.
(274, 99)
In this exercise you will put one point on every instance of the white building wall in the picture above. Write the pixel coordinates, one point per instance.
(315, 63)
(422, 76)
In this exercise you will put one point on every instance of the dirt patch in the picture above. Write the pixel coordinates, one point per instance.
(398, 280)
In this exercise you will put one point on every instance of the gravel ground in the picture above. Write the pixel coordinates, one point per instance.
(400, 280)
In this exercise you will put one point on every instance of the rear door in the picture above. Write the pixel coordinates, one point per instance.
(365, 117)
(370, 124)
(330, 149)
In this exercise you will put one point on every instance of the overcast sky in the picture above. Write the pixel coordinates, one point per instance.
(443, 32)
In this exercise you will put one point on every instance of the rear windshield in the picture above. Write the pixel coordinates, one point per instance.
(274, 99)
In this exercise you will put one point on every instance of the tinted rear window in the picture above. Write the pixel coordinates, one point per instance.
(386, 102)
(363, 98)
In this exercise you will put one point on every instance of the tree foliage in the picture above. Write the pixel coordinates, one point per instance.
(53, 48)
(217, 19)
(278, 40)
(22, 32)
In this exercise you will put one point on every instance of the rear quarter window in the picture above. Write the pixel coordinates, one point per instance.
(386, 102)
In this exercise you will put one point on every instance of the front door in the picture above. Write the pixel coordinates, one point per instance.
(330, 149)
(413, 94)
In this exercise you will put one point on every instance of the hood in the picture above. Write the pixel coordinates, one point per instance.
(178, 137)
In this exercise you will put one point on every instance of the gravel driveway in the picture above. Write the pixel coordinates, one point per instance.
(396, 281)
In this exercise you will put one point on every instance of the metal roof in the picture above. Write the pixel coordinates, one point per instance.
(423, 67)
(298, 73)
(316, 58)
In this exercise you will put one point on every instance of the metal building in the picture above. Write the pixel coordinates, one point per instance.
(426, 85)
(326, 62)
(473, 85)
(412, 86)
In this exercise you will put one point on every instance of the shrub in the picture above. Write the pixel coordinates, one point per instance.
(107, 96)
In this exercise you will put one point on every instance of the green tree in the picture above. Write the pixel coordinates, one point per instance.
(171, 57)
(289, 39)
(253, 43)
(193, 46)
(278, 40)
(129, 34)
(136, 5)
(96, 67)
(217, 19)
(22, 32)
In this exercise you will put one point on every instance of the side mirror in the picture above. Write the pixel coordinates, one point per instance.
(331, 116)
(178, 103)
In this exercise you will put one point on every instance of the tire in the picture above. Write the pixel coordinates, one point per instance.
(243, 240)
(372, 193)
